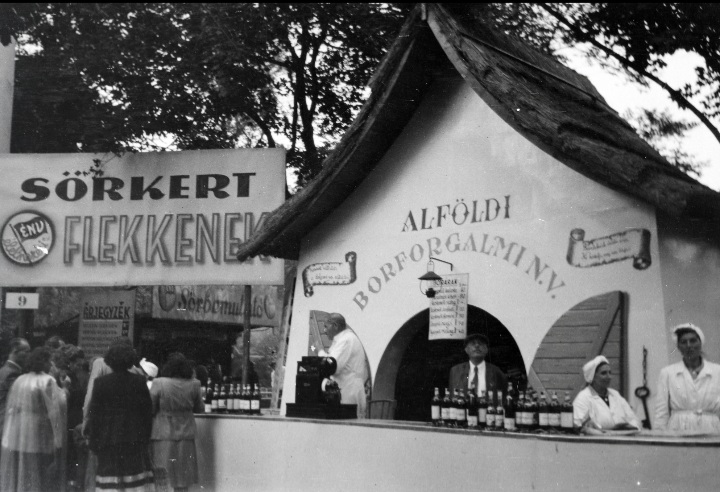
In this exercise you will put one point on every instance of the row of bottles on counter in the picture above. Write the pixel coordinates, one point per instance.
(522, 411)
(230, 398)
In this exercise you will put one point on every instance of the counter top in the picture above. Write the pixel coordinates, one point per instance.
(645, 437)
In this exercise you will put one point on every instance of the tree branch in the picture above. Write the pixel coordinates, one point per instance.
(675, 95)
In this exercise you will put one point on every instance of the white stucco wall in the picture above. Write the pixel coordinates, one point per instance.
(456, 149)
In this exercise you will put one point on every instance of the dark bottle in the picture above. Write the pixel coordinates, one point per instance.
(246, 400)
(435, 408)
(236, 399)
(520, 411)
(566, 414)
(472, 410)
(509, 409)
(482, 408)
(255, 401)
(543, 409)
(216, 397)
(453, 409)
(554, 412)
(499, 412)
(531, 415)
(222, 400)
(491, 411)
(460, 410)
(208, 398)
(446, 408)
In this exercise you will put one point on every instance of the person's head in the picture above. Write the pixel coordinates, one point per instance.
(177, 366)
(75, 357)
(120, 357)
(19, 351)
(476, 347)
(54, 342)
(597, 373)
(39, 360)
(689, 339)
(334, 325)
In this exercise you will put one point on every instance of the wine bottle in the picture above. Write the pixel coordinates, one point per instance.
(215, 397)
(208, 398)
(554, 412)
(461, 410)
(255, 400)
(446, 408)
(435, 408)
(499, 412)
(236, 399)
(509, 410)
(222, 400)
(472, 410)
(490, 415)
(566, 414)
(520, 412)
(246, 399)
(543, 409)
(531, 415)
(482, 408)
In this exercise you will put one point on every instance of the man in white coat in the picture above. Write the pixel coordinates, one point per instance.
(351, 371)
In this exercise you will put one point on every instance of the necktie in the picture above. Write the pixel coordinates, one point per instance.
(475, 381)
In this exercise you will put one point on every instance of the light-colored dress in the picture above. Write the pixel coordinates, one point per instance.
(174, 401)
(34, 435)
(687, 405)
(588, 404)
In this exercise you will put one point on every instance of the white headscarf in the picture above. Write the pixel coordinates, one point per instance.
(688, 326)
(150, 369)
(590, 367)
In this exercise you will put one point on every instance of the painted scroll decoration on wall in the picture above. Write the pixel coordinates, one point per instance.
(331, 273)
(630, 244)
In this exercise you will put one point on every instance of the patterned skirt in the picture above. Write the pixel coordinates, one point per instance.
(125, 467)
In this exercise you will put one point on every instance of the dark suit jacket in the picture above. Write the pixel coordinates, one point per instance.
(120, 411)
(495, 380)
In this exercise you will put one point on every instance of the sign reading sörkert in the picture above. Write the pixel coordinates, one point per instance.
(140, 219)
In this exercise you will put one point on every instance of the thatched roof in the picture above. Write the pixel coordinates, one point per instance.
(554, 107)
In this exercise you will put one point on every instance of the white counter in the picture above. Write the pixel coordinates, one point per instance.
(272, 453)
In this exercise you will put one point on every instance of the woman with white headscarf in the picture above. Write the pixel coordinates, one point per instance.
(599, 408)
(688, 398)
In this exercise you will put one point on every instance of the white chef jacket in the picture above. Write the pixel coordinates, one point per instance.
(589, 404)
(684, 404)
(351, 371)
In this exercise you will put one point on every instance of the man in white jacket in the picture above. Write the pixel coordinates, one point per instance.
(351, 371)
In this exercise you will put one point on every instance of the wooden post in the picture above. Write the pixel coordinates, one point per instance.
(7, 87)
(246, 335)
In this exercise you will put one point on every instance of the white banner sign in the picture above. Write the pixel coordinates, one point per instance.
(218, 304)
(22, 300)
(448, 309)
(141, 219)
(105, 315)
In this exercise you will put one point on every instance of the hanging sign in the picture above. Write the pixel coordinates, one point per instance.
(217, 303)
(106, 314)
(22, 300)
(448, 309)
(153, 218)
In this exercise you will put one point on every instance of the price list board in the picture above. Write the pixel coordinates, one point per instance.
(448, 309)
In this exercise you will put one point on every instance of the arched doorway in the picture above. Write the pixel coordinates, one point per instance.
(412, 366)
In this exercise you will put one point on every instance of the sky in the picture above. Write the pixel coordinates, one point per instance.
(623, 95)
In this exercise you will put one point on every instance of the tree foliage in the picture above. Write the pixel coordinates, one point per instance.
(106, 77)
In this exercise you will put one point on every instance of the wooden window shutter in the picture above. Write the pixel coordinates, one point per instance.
(593, 327)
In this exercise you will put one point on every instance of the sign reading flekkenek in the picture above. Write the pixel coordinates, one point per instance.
(141, 219)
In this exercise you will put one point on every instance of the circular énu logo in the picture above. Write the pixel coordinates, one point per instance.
(27, 237)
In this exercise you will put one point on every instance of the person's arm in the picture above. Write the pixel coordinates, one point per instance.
(662, 401)
(145, 409)
(340, 351)
(95, 372)
(628, 415)
(581, 412)
(155, 397)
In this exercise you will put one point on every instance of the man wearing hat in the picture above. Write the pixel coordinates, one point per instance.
(476, 374)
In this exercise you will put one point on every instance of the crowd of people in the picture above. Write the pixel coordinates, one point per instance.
(70, 423)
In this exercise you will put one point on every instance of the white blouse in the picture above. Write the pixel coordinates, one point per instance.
(589, 405)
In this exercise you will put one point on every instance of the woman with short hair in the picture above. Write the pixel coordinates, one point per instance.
(688, 392)
(34, 434)
(598, 408)
(119, 424)
(176, 395)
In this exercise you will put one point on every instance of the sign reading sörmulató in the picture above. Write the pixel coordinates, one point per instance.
(140, 219)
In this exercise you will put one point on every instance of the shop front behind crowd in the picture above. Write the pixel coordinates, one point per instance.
(69, 423)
